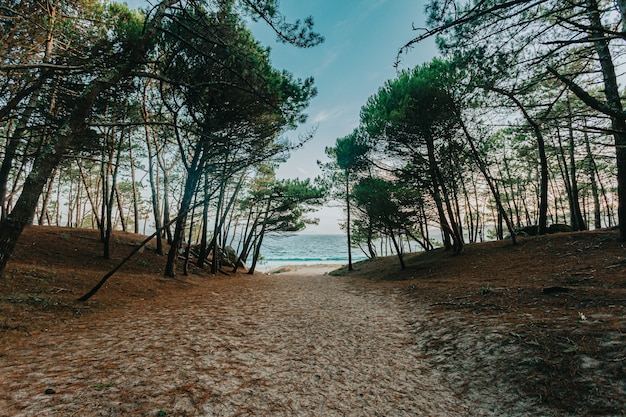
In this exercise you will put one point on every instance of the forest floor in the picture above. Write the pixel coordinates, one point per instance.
(533, 329)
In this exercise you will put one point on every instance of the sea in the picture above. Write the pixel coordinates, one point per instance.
(305, 249)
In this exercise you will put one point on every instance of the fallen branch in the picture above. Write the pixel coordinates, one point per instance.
(95, 289)
(130, 255)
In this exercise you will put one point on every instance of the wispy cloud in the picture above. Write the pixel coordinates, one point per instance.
(367, 8)
(373, 5)
(326, 115)
(329, 59)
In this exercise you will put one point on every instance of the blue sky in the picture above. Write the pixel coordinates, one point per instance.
(362, 38)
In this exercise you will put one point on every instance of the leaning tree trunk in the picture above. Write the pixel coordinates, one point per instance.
(443, 221)
(575, 219)
(46, 198)
(448, 223)
(203, 252)
(247, 235)
(221, 216)
(490, 182)
(257, 247)
(191, 185)
(217, 228)
(543, 159)
(94, 207)
(399, 250)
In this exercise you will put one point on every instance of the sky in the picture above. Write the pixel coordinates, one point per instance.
(362, 39)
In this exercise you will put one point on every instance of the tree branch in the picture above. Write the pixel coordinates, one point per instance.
(585, 97)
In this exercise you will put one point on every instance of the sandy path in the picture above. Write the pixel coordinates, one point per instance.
(282, 346)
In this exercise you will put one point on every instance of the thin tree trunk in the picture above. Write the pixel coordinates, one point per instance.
(47, 194)
(399, 251)
(490, 183)
(578, 223)
(134, 185)
(217, 255)
(204, 244)
(348, 221)
(109, 212)
(154, 193)
(543, 160)
(597, 211)
(94, 208)
(191, 184)
(257, 247)
(188, 248)
(434, 178)
(120, 206)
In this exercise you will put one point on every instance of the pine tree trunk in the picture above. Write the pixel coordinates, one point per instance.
(154, 192)
(217, 251)
(46, 199)
(257, 247)
(134, 185)
(191, 185)
(502, 214)
(597, 210)
(578, 223)
(543, 160)
(204, 244)
(348, 221)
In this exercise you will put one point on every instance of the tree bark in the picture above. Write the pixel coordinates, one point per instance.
(350, 267)
(46, 198)
(257, 247)
(597, 212)
(134, 185)
(578, 223)
(191, 184)
(154, 193)
(399, 250)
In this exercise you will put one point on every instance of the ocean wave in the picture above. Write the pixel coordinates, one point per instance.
(306, 259)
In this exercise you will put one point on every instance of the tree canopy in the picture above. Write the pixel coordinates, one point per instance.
(92, 91)
(503, 135)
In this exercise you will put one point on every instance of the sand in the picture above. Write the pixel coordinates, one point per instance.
(291, 344)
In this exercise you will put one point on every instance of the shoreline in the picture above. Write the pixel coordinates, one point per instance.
(301, 270)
